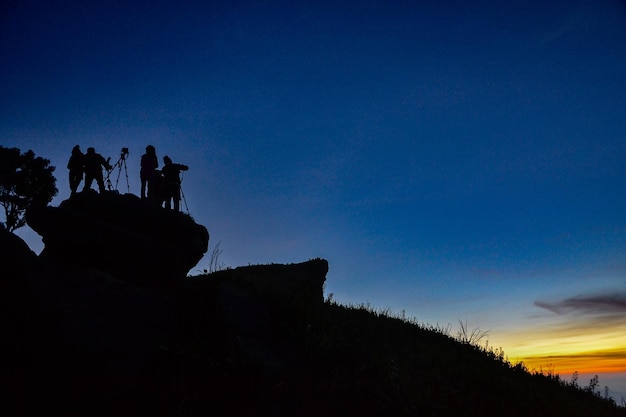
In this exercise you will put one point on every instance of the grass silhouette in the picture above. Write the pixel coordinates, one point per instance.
(354, 360)
(246, 342)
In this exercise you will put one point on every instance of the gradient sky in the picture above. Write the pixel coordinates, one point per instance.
(452, 160)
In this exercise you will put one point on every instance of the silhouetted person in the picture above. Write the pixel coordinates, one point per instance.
(76, 165)
(171, 182)
(148, 173)
(93, 169)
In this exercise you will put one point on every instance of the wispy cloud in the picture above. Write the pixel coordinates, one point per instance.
(591, 305)
(571, 20)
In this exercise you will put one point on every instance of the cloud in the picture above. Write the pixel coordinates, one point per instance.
(571, 20)
(599, 304)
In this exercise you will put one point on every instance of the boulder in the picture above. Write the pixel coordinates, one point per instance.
(16, 262)
(121, 235)
(14, 253)
(298, 285)
(260, 305)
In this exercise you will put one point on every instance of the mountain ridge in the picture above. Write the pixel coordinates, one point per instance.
(249, 341)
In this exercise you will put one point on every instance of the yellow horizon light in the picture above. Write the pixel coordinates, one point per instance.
(568, 349)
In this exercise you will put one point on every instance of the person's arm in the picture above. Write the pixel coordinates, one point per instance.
(105, 163)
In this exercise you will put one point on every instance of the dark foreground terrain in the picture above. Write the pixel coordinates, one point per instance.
(251, 341)
(221, 347)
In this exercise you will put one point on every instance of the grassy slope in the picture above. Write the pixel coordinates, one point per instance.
(278, 358)
(338, 360)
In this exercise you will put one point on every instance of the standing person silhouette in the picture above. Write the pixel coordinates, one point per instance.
(171, 182)
(76, 165)
(148, 173)
(93, 169)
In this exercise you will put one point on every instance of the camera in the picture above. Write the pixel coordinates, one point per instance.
(124, 153)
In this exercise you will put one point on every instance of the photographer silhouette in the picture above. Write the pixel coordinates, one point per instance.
(93, 169)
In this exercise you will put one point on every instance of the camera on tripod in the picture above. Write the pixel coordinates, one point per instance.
(119, 164)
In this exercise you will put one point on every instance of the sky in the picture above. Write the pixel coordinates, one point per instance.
(453, 161)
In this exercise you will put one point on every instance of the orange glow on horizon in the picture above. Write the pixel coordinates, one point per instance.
(567, 365)
(568, 360)
(563, 346)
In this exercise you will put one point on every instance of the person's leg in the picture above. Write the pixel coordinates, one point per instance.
(73, 184)
(88, 181)
(152, 186)
(176, 194)
(100, 181)
(143, 187)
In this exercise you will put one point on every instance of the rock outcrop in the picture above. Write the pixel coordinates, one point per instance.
(244, 298)
(104, 320)
(300, 284)
(121, 235)
(254, 303)
(14, 253)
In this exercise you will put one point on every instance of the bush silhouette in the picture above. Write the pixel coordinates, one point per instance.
(24, 180)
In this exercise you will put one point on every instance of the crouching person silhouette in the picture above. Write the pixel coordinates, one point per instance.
(93, 169)
(171, 182)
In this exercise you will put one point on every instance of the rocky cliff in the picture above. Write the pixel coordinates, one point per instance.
(105, 314)
(122, 235)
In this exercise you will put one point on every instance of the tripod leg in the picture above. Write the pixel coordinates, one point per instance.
(126, 172)
(182, 194)
(117, 180)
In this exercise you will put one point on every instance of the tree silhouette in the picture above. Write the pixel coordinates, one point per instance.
(24, 180)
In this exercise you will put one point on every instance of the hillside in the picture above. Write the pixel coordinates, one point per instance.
(250, 341)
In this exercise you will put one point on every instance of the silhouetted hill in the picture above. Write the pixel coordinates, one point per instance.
(250, 341)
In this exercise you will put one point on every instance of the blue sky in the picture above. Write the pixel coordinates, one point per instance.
(455, 161)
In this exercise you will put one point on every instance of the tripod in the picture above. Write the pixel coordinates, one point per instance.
(120, 162)
(183, 196)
